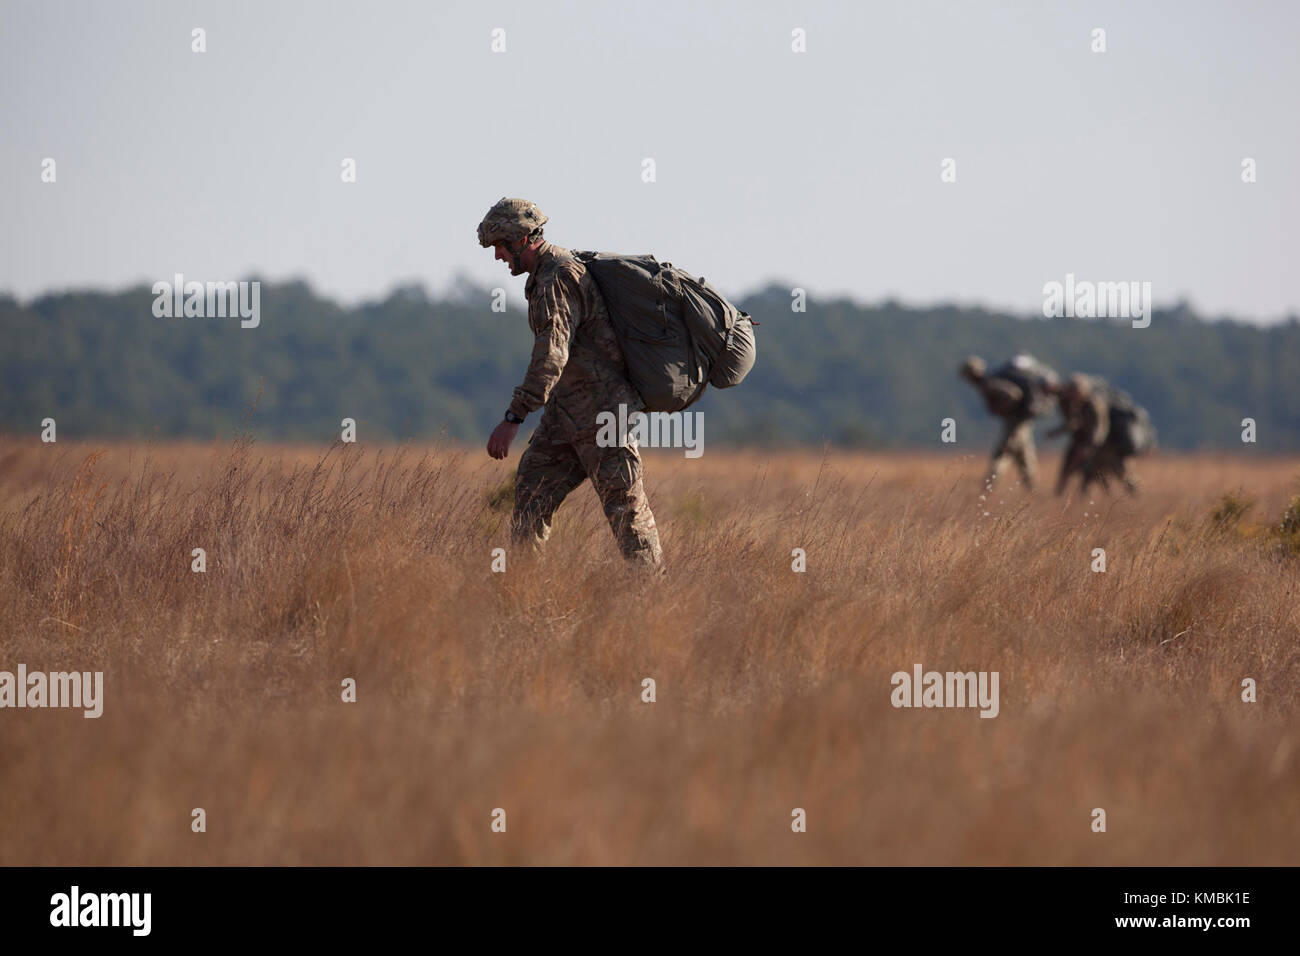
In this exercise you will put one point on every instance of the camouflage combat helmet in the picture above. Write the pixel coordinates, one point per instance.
(972, 368)
(510, 220)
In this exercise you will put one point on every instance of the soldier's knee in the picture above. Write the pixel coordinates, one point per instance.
(633, 522)
(622, 495)
(527, 486)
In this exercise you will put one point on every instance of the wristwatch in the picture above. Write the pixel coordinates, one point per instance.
(512, 418)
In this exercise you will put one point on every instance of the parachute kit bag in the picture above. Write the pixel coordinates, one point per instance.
(678, 333)
(1029, 379)
(1131, 431)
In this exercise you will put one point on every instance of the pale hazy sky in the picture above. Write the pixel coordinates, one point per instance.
(819, 169)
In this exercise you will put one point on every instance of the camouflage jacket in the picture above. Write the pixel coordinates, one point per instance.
(1088, 421)
(577, 369)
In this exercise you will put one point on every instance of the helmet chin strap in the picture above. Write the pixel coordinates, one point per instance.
(516, 255)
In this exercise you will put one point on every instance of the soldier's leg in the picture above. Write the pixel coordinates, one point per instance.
(997, 468)
(1128, 478)
(1024, 453)
(616, 474)
(548, 470)
(1002, 457)
(1104, 463)
(1069, 464)
(1092, 473)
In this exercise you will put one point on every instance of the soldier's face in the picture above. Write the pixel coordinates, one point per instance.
(504, 253)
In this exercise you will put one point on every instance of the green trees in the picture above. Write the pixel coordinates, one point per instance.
(412, 367)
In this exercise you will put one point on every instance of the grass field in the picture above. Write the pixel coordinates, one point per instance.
(522, 690)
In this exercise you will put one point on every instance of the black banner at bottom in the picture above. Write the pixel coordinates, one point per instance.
(655, 905)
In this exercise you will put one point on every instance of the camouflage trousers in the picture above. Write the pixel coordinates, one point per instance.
(1016, 448)
(1098, 464)
(1106, 462)
(553, 465)
(1076, 460)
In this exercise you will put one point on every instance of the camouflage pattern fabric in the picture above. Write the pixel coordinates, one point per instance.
(552, 466)
(1109, 461)
(576, 373)
(1131, 434)
(577, 369)
(510, 220)
(1016, 448)
(1015, 394)
(1087, 419)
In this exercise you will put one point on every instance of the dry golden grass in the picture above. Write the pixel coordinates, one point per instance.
(522, 690)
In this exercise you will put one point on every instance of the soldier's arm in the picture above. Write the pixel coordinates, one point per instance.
(1100, 423)
(552, 317)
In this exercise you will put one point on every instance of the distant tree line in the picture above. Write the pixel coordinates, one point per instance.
(410, 366)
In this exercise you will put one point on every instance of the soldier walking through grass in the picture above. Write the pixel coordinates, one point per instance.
(577, 371)
(1106, 429)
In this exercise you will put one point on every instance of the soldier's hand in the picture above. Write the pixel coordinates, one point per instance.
(498, 445)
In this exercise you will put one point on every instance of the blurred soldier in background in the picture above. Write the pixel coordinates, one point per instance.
(1017, 393)
(1106, 428)
(1131, 434)
(1085, 416)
